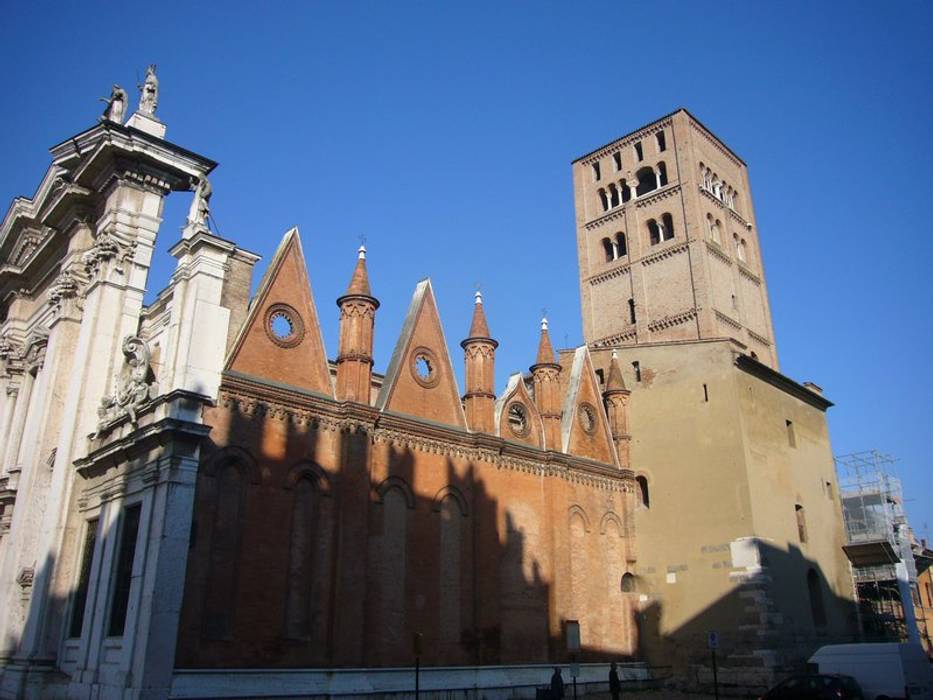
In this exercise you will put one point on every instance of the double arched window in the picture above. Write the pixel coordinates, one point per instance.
(660, 230)
(615, 248)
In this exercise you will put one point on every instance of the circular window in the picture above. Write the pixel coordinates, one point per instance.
(518, 419)
(424, 367)
(586, 414)
(284, 326)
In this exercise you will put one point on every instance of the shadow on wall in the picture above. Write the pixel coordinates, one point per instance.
(310, 548)
(767, 626)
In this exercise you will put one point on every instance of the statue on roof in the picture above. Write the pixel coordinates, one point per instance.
(116, 105)
(149, 92)
(200, 205)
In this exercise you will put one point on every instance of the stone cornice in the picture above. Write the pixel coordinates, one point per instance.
(780, 381)
(255, 397)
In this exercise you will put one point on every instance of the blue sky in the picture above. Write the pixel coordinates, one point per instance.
(444, 134)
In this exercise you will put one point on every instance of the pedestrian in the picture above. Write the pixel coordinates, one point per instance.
(557, 685)
(615, 685)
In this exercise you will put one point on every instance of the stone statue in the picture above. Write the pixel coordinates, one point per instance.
(149, 92)
(200, 205)
(134, 387)
(116, 105)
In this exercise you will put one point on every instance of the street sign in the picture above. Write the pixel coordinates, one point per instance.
(712, 640)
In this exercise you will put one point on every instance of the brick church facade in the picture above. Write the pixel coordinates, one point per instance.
(195, 501)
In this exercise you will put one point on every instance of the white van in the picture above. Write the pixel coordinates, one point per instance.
(886, 670)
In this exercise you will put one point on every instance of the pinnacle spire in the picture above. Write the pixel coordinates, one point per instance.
(479, 328)
(614, 381)
(545, 349)
(359, 283)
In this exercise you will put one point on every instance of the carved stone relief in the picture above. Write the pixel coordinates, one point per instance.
(135, 386)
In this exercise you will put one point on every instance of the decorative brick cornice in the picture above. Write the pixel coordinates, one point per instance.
(617, 271)
(664, 253)
(672, 320)
(617, 212)
(728, 320)
(717, 252)
(627, 336)
(715, 142)
(255, 398)
(760, 338)
(625, 141)
(735, 215)
(657, 195)
(746, 272)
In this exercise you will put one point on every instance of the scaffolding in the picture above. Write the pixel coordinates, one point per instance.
(878, 544)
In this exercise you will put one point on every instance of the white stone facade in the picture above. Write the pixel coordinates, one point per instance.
(74, 261)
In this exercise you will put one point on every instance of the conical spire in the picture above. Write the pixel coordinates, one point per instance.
(479, 327)
(615, 382)
(359, 283)
(545, 349)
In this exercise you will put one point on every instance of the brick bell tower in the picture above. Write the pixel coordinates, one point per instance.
(667, 241)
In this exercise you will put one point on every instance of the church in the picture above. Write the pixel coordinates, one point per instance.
(195, 501)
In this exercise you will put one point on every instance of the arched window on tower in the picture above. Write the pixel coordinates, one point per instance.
(613, 195)
(662, 142)
(621, 248)
(817, 609)
(617, 160)
(654, 232)
(631, 311)
(647, 181)
(607, 248)
(644, 500)
(603, 199)
(662, 174)
(667, 227)
(626, 192)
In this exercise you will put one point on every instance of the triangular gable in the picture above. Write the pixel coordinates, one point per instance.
(420, 380)
(583, 393)
(281, 338)
(507, 426)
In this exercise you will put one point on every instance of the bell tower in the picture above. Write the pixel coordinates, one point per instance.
(667, 242)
